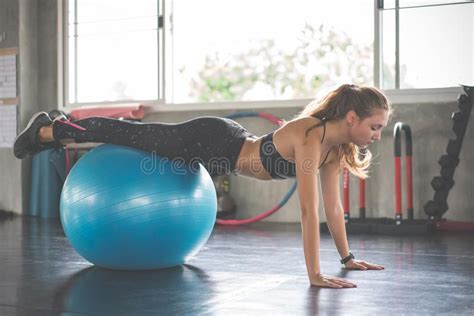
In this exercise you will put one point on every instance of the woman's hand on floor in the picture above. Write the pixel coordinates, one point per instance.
(330, 281)
(362, 265)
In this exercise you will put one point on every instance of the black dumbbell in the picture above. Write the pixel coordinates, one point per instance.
(433, 208)
(469, 90)
(459, 128)
(448, 161)
(441, 196)
(440, 183)
(454, 147)
(464, 102)
(462, 98)
(447, 172)
(459, 116)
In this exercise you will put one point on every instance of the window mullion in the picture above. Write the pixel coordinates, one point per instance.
(397, 45)
(75, 54)
(159, 25)
(167, 53)
(378, 41)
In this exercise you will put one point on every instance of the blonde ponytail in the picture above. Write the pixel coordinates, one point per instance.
(335, 105)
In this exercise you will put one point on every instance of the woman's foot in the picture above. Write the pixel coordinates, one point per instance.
(28, 141)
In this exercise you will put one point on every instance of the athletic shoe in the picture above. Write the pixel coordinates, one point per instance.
(27, 142)
(58, 115)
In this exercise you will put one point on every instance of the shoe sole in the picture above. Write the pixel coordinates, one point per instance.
(29, 125)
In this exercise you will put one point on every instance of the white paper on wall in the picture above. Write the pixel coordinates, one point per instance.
(7, 76)
(7, 125)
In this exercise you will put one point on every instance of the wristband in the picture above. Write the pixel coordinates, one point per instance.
(349, 257)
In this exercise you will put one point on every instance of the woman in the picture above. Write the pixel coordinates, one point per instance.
(323, 138)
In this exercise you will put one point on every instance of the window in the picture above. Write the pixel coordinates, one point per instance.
(435, 43)
(113, 50)
(245, 50)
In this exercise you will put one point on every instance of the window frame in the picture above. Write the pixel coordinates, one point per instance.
(378, 41)
(63, 62)
(397, 96)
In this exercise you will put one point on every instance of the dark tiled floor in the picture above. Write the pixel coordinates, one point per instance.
(256, 270)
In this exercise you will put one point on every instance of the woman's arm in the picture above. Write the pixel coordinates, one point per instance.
(307, 178)
(329, 175)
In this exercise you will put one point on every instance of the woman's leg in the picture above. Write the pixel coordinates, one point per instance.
(145, 136)
(215, 142)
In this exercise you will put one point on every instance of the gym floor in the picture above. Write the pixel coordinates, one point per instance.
(253, 270)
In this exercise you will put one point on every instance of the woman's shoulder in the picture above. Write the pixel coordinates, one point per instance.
(304, 122)
(293, 133)
(301, 128)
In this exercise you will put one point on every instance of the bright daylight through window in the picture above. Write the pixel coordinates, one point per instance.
(241, 50)
(248, 50)
(436, 44)
(113, 50)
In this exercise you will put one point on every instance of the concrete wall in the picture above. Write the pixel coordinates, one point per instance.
(430, 123)
(9, 23)
(10, 168)
(32, 27)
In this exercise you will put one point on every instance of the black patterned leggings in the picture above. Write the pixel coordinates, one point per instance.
(212, 141)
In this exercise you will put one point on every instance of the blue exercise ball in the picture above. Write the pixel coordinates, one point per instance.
(123, 208)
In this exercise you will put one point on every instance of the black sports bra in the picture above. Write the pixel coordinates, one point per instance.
(277, 166)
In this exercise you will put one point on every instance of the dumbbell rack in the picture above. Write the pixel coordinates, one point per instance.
(443, 184)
